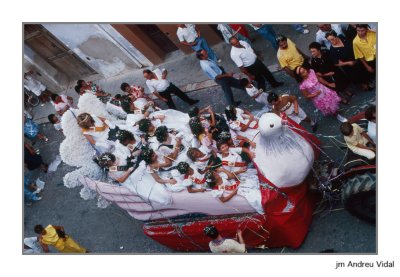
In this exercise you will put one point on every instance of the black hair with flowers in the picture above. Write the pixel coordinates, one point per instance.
(161, 133)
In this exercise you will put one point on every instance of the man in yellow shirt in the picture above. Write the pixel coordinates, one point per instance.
(364, 46)
(357, 139)
(55, 236)
(289, 56)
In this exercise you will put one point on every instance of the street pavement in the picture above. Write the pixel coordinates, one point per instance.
(112, 230)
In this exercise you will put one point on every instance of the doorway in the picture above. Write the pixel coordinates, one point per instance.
(157, 36)
(55, 52)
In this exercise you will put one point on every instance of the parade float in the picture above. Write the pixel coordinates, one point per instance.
(284, 158)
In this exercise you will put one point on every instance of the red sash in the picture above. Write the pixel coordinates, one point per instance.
(197, 181)
(226, 187)
(235, 164)
(241, 125)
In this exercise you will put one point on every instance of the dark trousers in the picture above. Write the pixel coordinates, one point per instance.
(372, 64)
(172, 89)
(227, 83)
(260, 71)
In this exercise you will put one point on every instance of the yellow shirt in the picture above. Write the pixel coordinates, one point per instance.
(365, 48)
(290, 57)
(51, 236)
(67, 245)
(356, 138)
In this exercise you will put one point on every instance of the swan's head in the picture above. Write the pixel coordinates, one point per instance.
(270, 125)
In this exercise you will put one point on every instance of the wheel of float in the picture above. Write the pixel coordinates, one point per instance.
(359, 196)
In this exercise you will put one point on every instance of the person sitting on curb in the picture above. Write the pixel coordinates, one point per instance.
(223, 245)
(358, 141)
(370, 115)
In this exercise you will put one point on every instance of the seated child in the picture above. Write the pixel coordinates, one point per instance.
(203, 158)
(97, 131)
(231, 158)
(170, 145)
(242, 121)
(192, 179)
(116, 171)
(134, 92)
(357, 139)
(206, 121)
(220, 183)
(127, 148)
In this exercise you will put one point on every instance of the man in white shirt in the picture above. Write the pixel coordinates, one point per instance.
(323, 30)
(244, 57)
(36, 87)
(189, 35)
(222, 245)
(158, 85)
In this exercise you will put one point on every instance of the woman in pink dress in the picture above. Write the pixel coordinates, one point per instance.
(323, 98)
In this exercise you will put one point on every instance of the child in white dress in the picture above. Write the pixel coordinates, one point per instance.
(257, 94)
(96, 130)
(241, 121)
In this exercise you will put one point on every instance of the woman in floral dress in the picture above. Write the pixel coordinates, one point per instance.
(324, 99)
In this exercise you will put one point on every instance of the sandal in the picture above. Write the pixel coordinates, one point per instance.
(349, 93)
(345, 101)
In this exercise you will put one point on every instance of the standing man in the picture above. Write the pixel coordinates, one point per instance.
(323, 30)
(214, 72)
(289, 56)
(162, 88)
(266, 31)
(243, 56)
(364, 46)
(222, 245)
(36, 87)
(189, 35)
(227, 32)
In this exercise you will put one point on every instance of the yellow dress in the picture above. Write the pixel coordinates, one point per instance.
(67, 245)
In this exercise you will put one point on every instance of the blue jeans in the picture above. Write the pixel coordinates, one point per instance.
(201, 43)
(28, 195)
(268, 33)
(227, 83)
(298, 27)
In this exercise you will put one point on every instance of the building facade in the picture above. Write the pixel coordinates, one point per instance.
(61, 53)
